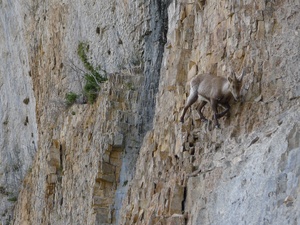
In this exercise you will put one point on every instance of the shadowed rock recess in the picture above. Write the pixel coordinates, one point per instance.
(126, 159)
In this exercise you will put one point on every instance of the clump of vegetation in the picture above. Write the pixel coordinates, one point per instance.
(71, 98)
(12, 199)
(93, 77)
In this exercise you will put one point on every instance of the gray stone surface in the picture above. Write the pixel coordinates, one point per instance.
(242, 173)
(18, 127)
(127, 159)
(257, 185)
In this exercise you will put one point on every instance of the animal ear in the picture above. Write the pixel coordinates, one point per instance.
(236, 76)
(240, 78)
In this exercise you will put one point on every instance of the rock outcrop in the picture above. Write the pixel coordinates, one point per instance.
(126, 159)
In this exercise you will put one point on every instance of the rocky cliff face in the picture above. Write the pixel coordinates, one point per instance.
(126, 159)
(248, 171)
(18, 126)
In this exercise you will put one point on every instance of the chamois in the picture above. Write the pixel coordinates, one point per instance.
(215, 90)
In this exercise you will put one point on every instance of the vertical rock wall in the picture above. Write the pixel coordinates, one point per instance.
(247, 172)
(155, 31)
(86, 155)
(126, 159)
(18, 129)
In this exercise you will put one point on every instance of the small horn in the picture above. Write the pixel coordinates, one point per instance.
(231, 76)
(240, 78)
(236, 76)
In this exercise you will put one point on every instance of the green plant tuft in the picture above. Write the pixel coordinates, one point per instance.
(71, 98)
(94, 77)
(12, 199)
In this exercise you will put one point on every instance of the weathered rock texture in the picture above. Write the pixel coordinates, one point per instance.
(88, 148)
(248, 171)
(126, 159)
(18, 127)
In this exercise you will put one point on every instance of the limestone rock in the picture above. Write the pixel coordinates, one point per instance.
(126, 159)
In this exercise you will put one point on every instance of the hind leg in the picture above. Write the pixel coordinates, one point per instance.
(190, 101)
(199, 109)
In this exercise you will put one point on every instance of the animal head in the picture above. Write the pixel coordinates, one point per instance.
(235, 85)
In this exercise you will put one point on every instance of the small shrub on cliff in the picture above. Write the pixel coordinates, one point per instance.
(93, 78)
(12, 199)
(71, 98)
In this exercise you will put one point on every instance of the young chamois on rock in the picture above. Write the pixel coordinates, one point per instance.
(216, 90)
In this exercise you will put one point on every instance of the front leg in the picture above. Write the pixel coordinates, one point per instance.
(190, 101)
(227, 108)
(214, 105)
